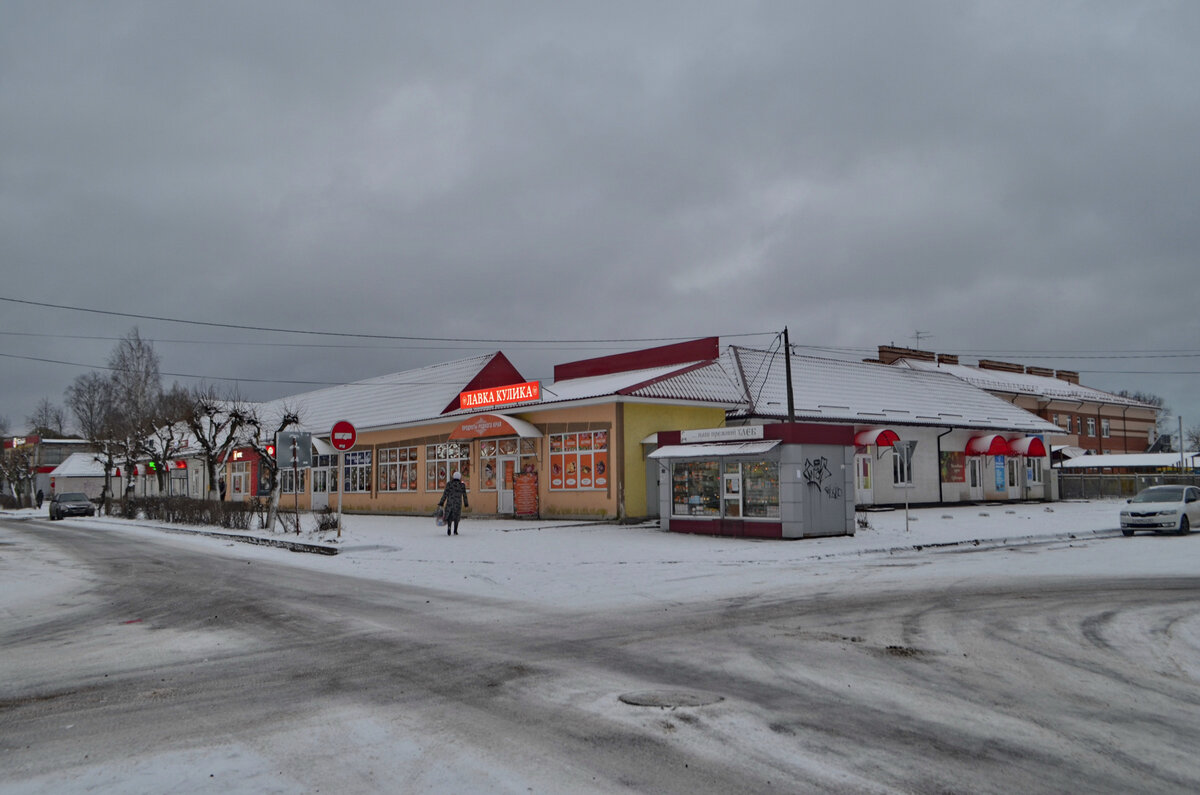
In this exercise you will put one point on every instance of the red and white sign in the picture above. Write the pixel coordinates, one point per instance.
(501, 395)
(343, 435)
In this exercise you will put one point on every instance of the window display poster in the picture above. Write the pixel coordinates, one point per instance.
(1000, 466)
(954, 467)
(579, 460)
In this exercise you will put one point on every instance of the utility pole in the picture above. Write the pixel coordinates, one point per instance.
(787, 365)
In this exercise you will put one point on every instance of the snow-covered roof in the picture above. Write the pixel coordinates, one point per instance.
(830, 390)
(79, 465)
(1021, 383)
(1132, 460)
(706, 382)
(388, 400)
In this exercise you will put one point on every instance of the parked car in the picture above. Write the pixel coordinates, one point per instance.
(71, 503)
(1162, 508)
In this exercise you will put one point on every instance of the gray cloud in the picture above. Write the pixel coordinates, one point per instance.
(1014, 178)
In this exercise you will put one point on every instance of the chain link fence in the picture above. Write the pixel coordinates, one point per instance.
(1095, 487)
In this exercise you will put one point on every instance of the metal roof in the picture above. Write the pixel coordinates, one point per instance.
(1043, 386)
(860, 393)
(396, 399)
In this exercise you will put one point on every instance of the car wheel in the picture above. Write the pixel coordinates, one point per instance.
(1126, 532)
(1185, 526)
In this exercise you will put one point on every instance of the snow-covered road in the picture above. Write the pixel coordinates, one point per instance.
(929, 659)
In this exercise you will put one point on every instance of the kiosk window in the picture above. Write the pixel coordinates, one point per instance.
(696, 487)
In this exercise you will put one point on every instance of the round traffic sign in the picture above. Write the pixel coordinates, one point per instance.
(343, 435)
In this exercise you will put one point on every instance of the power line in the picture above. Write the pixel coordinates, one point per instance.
(355, 335)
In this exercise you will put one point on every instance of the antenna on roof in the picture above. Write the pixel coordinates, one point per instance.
(918, 336)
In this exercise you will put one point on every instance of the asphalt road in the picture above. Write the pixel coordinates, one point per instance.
(240, 675)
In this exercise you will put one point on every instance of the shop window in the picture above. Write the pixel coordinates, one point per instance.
(746, 489)
(443, 460)
(902, 465)
(397, 469)
(695, 486)
(288, 478)
(324, 474)
(239, 478)
(529, 450)
(1105, 428)
(489, 467)
(579, 461)
(1033, 471)
(356, 471)
(1012, 473)
(760, 490)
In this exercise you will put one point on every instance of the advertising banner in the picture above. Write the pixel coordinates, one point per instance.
(954, 467)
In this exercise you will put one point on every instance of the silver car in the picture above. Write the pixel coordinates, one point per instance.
(1173, 508)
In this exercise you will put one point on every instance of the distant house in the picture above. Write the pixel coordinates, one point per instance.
(1089, 419)
(1133, 463)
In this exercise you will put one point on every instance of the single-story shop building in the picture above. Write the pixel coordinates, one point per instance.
(697, 436)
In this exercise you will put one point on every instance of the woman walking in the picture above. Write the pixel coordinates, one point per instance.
(454, 497)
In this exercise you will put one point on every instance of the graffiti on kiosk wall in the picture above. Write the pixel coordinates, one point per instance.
(816, 472)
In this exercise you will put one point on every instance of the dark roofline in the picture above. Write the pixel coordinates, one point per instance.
(677, 353)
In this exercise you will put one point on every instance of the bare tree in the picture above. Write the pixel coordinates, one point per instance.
(3, 425)
(47, 420)
(259, 433)
(90, 399)
(16, 469)
(170, 432)
(1193, 438)
(137, 388)
(215, 423)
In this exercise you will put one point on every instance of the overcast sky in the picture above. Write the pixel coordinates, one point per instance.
(1014, 180)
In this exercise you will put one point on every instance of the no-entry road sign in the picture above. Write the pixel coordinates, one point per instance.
(343, 435)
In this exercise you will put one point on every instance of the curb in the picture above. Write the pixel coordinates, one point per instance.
(294, 546)
(986, 543)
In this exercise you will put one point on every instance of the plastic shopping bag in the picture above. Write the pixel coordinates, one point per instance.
(441, 516)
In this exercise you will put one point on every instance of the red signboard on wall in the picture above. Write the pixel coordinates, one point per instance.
(501, 395)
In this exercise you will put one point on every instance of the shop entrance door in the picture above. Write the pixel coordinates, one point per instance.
(863, 495)
(504, 489)
(1013, 476)
(320, 488)
(975, 476)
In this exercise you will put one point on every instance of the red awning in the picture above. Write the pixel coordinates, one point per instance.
(993, 444)
(1029, 446)
(480, 426)
(881, 437)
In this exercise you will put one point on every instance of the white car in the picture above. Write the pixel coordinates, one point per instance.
(1160, 508)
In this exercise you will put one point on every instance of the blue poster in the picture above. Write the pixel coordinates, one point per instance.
(999, 462)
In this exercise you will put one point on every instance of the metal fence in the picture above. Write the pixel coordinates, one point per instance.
(1093, 487)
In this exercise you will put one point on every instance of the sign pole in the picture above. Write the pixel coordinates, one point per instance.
(342, 436)
(296, 484)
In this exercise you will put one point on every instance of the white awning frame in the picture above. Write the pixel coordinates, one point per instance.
(714, 449)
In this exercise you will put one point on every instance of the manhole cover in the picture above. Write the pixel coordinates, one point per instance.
(669, 698)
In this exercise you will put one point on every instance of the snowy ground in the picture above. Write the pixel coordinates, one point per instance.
(578, 568)
(584, 565)
(589, 565)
